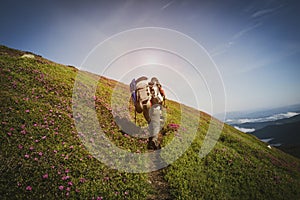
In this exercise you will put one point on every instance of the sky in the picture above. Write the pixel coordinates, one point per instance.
(253, 47)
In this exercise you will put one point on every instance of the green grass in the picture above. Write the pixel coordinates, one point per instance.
(239, 167)
(38, 138)
(42, 155)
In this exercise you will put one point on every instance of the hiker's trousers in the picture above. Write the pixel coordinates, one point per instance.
(156, 122)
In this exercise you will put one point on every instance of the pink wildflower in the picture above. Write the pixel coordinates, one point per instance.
(82, 180)
(20, 146)
(27, 111)
(40, 153)
(26, 156)
(44, 137)
(9, 134)
(67, 170)
(36, 159)
(31, 148)
(68, 189)
(61, 187)
(29, 188)
(65, 177)
(45, 176)
(70, 183)
(71, 147)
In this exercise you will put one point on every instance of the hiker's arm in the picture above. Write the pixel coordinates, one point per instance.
(162, 92)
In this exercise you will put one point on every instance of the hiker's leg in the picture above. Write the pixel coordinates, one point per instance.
(146, 114)
(154, 126)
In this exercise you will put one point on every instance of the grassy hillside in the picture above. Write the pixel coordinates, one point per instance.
(42, 155)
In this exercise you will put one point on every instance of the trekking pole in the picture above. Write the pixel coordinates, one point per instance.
(135, 116)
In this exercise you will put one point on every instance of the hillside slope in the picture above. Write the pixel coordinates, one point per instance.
(42, 155)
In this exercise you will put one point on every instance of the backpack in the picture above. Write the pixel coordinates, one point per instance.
(144, 94)
(140, 94)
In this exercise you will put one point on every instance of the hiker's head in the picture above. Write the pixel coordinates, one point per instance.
(154, 80)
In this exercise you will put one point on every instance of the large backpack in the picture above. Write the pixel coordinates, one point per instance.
(140, 94)
(144, 94)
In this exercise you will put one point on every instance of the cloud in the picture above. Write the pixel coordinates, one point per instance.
(246, 30)
(222, 48)
(284, 52)
(264, 12)
(257, 21)
(245, 130)
(167, 5)
(263, 119)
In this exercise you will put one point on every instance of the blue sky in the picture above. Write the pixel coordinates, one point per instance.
(254, 44)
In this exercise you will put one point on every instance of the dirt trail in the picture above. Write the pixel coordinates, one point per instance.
(160, 186)
(156, 179)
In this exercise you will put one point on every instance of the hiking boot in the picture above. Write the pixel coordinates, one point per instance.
(153, 145)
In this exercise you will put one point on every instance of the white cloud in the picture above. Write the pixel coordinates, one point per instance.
(167, 5)
(262, 119)
(223, 48)
(265, 12)
(245, 130)
(284, 52)
(245, 31)
(256, 22)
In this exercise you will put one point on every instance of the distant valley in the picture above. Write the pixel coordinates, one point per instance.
(277, 129)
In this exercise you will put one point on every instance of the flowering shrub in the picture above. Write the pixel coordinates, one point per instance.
(173, 126)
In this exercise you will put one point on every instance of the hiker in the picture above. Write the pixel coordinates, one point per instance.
(148, 98)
